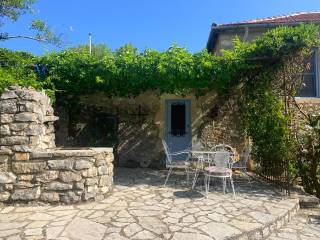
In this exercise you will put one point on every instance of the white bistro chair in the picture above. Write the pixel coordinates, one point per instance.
(177, 164)
(204, 157)
(221, 169)
(241, 165)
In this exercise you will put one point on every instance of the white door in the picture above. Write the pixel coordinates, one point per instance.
(178, 126)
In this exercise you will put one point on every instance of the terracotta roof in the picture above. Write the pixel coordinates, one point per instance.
(308, 17)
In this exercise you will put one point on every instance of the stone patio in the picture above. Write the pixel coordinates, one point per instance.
(140, 208)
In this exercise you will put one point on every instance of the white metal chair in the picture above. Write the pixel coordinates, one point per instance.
(221, 169)
(241, 165)
(178, 164)
(207, 156)
(203, 159)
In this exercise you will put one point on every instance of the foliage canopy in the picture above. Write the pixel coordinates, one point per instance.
(12, 9)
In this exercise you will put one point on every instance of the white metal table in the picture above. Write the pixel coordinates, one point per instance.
(202, 157)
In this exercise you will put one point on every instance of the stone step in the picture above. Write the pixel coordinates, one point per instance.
(308, 201)
(305, 225)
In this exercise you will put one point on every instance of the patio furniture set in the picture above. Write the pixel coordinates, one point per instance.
(218, 162)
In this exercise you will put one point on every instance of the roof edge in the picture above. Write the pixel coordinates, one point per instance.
(256, 25)
(283, 17)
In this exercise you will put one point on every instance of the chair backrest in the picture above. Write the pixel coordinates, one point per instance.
(167, 151)
(204, 156)
(223, 147)
(222, 159)
(245, 154)
(226, 148)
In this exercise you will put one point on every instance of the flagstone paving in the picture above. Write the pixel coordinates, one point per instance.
(140, 208)
(304, 226)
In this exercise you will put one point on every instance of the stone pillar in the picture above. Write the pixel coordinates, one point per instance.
(32, 169)
(26, 125)
(26, 121)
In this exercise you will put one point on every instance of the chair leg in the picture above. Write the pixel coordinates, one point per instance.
(224, 185)
(230, 184)
(187, 170)
(169, 172)
(231, 181)
(206, 184)
(246, 173)
(195, 179)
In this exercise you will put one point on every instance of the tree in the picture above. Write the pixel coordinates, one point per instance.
(11, 10)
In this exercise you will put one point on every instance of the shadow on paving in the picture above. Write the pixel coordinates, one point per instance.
(314, 219)
(155, 178)
(188, 194)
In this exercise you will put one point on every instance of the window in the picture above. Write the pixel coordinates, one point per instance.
(178, 119)
(310, 84)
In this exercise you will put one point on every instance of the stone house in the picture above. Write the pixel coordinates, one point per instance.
(221, 37)
(136, 126)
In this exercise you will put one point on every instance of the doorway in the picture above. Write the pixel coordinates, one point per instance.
(178, 133)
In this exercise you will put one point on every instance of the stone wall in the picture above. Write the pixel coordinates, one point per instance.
(141, 124)
(138, 140)
(59, 175)
(32, 169)
(26, 118)
(225, 38)
(223, 125)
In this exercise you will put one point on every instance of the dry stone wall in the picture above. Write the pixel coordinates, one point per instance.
(32, 169)
(26, 118)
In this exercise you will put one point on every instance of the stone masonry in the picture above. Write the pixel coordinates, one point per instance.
(31, 168)
(26, 121)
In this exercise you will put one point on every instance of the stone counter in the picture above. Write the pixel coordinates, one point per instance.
(67, 176)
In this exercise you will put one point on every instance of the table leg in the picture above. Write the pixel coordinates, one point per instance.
(195, 178)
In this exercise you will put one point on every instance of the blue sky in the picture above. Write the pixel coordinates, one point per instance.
(155, 24)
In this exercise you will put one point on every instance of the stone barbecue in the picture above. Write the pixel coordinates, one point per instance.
(32, 168)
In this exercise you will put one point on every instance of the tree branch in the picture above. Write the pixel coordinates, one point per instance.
(299, 108)
(25, 37)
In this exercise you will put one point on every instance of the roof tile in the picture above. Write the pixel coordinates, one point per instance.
(309, 17)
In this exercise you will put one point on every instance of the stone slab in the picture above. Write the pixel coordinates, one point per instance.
(83, 229)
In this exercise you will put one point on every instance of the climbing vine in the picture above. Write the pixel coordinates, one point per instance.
(16, 68)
